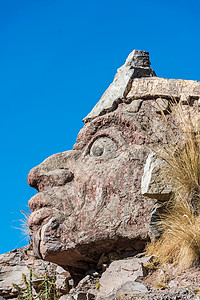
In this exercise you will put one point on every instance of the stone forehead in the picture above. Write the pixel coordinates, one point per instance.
(127, 118)
(95, 127)
(136, 80)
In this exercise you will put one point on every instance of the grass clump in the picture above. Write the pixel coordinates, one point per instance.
(26, 231)
(179, 223)
(179, 242)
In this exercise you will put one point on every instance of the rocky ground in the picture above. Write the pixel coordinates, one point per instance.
(185, 293)
(190, 293)
(171, 283)
(135, 278)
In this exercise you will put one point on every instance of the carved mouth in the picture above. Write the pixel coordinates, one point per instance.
(41, 211)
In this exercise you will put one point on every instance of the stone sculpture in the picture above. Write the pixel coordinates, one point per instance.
(95, 202)
(90, 199)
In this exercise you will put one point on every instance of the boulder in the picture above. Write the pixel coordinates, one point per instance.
(121, 278)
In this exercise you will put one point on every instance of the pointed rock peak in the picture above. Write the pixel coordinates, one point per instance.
(138, 59)
(137, 65)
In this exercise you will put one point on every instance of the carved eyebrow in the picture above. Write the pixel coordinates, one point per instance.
(100, 126)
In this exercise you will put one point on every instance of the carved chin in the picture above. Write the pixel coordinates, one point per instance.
(44, 239)
(55, 242)
(48, 246)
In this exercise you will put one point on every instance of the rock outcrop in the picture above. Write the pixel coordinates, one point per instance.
(137, 65)
(95, 202)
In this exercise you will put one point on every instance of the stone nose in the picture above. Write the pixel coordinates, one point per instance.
(42, 181)
(56, 170)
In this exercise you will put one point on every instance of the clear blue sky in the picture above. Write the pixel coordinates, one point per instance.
(56, 60)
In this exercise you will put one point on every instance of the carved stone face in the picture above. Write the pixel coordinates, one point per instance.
(89, 199)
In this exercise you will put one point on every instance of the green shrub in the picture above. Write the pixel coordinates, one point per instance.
(47, 288)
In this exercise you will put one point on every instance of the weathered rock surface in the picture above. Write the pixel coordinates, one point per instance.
(85, 290)
(121, 278)
(152, 183)
(185, 90)
(137, 65)
(20, 261)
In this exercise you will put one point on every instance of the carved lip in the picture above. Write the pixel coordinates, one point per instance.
(39, 217)
(37, 202)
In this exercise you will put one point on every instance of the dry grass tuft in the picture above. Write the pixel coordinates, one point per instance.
(179, 242)
(182, 149)
(161, 285)
(26, 231)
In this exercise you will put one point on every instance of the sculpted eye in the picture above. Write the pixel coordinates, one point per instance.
(103, 146)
